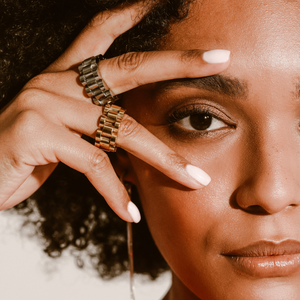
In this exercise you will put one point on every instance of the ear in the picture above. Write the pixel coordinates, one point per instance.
(122, 165)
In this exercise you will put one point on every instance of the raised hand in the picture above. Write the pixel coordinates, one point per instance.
(43, 124)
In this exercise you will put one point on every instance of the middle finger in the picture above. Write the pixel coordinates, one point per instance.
(83, 117)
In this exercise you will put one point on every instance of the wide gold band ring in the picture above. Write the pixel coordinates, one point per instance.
(109, 124)
(93, 83)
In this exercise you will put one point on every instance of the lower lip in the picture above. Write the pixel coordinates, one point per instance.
(267, 266)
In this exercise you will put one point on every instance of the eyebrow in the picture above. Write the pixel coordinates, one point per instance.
(221, 84)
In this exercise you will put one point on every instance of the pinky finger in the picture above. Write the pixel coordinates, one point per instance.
(95, 164)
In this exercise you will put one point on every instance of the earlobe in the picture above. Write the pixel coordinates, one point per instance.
(122, 165)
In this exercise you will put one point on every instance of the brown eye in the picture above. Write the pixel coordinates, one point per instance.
(201, 122)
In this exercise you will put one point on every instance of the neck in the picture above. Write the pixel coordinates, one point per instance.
(179, 291)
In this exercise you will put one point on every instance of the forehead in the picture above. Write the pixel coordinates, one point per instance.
(264, 31)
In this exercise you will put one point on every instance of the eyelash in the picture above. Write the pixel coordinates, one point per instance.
(196, 109)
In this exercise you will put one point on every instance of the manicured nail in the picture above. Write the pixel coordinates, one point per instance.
(134, 212)
(198, 174)
(216, 56)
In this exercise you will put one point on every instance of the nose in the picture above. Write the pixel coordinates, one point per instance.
(272, 174)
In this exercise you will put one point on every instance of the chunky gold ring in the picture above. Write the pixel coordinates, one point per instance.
(109, 124)
(93, 83)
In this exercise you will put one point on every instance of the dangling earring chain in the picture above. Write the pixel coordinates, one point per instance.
(128, 185)
(130, 258)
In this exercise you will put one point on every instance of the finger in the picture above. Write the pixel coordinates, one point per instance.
(99, 34)
(26, 186)
(95, 164)
(64, 84)
(137, 140)
(76, 115)
(53, 144)
(83, 117)
(131, 70)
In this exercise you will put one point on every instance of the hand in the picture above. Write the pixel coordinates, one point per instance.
(42, 125)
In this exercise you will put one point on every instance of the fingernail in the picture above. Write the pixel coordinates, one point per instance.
(216, 56)
(134, 212)
(198, 174)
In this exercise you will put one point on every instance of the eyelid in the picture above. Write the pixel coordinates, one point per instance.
(198, 108)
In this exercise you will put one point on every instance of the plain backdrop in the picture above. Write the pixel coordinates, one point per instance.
(26, 273)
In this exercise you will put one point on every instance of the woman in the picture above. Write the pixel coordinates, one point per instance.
(237, 237)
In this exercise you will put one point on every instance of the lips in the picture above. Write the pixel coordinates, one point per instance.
(266, 258)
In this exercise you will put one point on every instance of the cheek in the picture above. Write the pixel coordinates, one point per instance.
(189, 226)
(176, 214)
(186, 224)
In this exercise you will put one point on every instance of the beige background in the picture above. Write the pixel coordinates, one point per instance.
(27, 273)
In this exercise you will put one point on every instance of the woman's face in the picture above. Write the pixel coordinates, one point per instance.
(242, 128)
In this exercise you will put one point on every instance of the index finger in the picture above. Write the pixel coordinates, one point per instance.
(99, 34)
(130, 70)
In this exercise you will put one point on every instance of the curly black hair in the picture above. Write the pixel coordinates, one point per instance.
(67, 211)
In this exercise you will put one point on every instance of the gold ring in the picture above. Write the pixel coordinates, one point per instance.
(93, 83)
(109, 124)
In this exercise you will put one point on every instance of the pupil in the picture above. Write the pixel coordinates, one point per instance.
(200, 121)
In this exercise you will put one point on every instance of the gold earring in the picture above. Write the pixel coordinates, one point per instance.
(128, 187)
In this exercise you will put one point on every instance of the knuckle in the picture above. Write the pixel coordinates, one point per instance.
(129, 127)
(130, 61)
(98, 20)
(27, 125)
(27, 99)
(190, 56)
(99, 162)
(40, 81)
(28, 119)
(174, 160)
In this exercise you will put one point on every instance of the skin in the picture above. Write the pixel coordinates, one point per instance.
(42, 125)
(253, 157)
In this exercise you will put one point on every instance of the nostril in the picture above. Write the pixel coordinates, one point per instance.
(256, 209)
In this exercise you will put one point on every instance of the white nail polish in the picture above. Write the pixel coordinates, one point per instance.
(134, 212)
(198, 174)
(216, 56)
